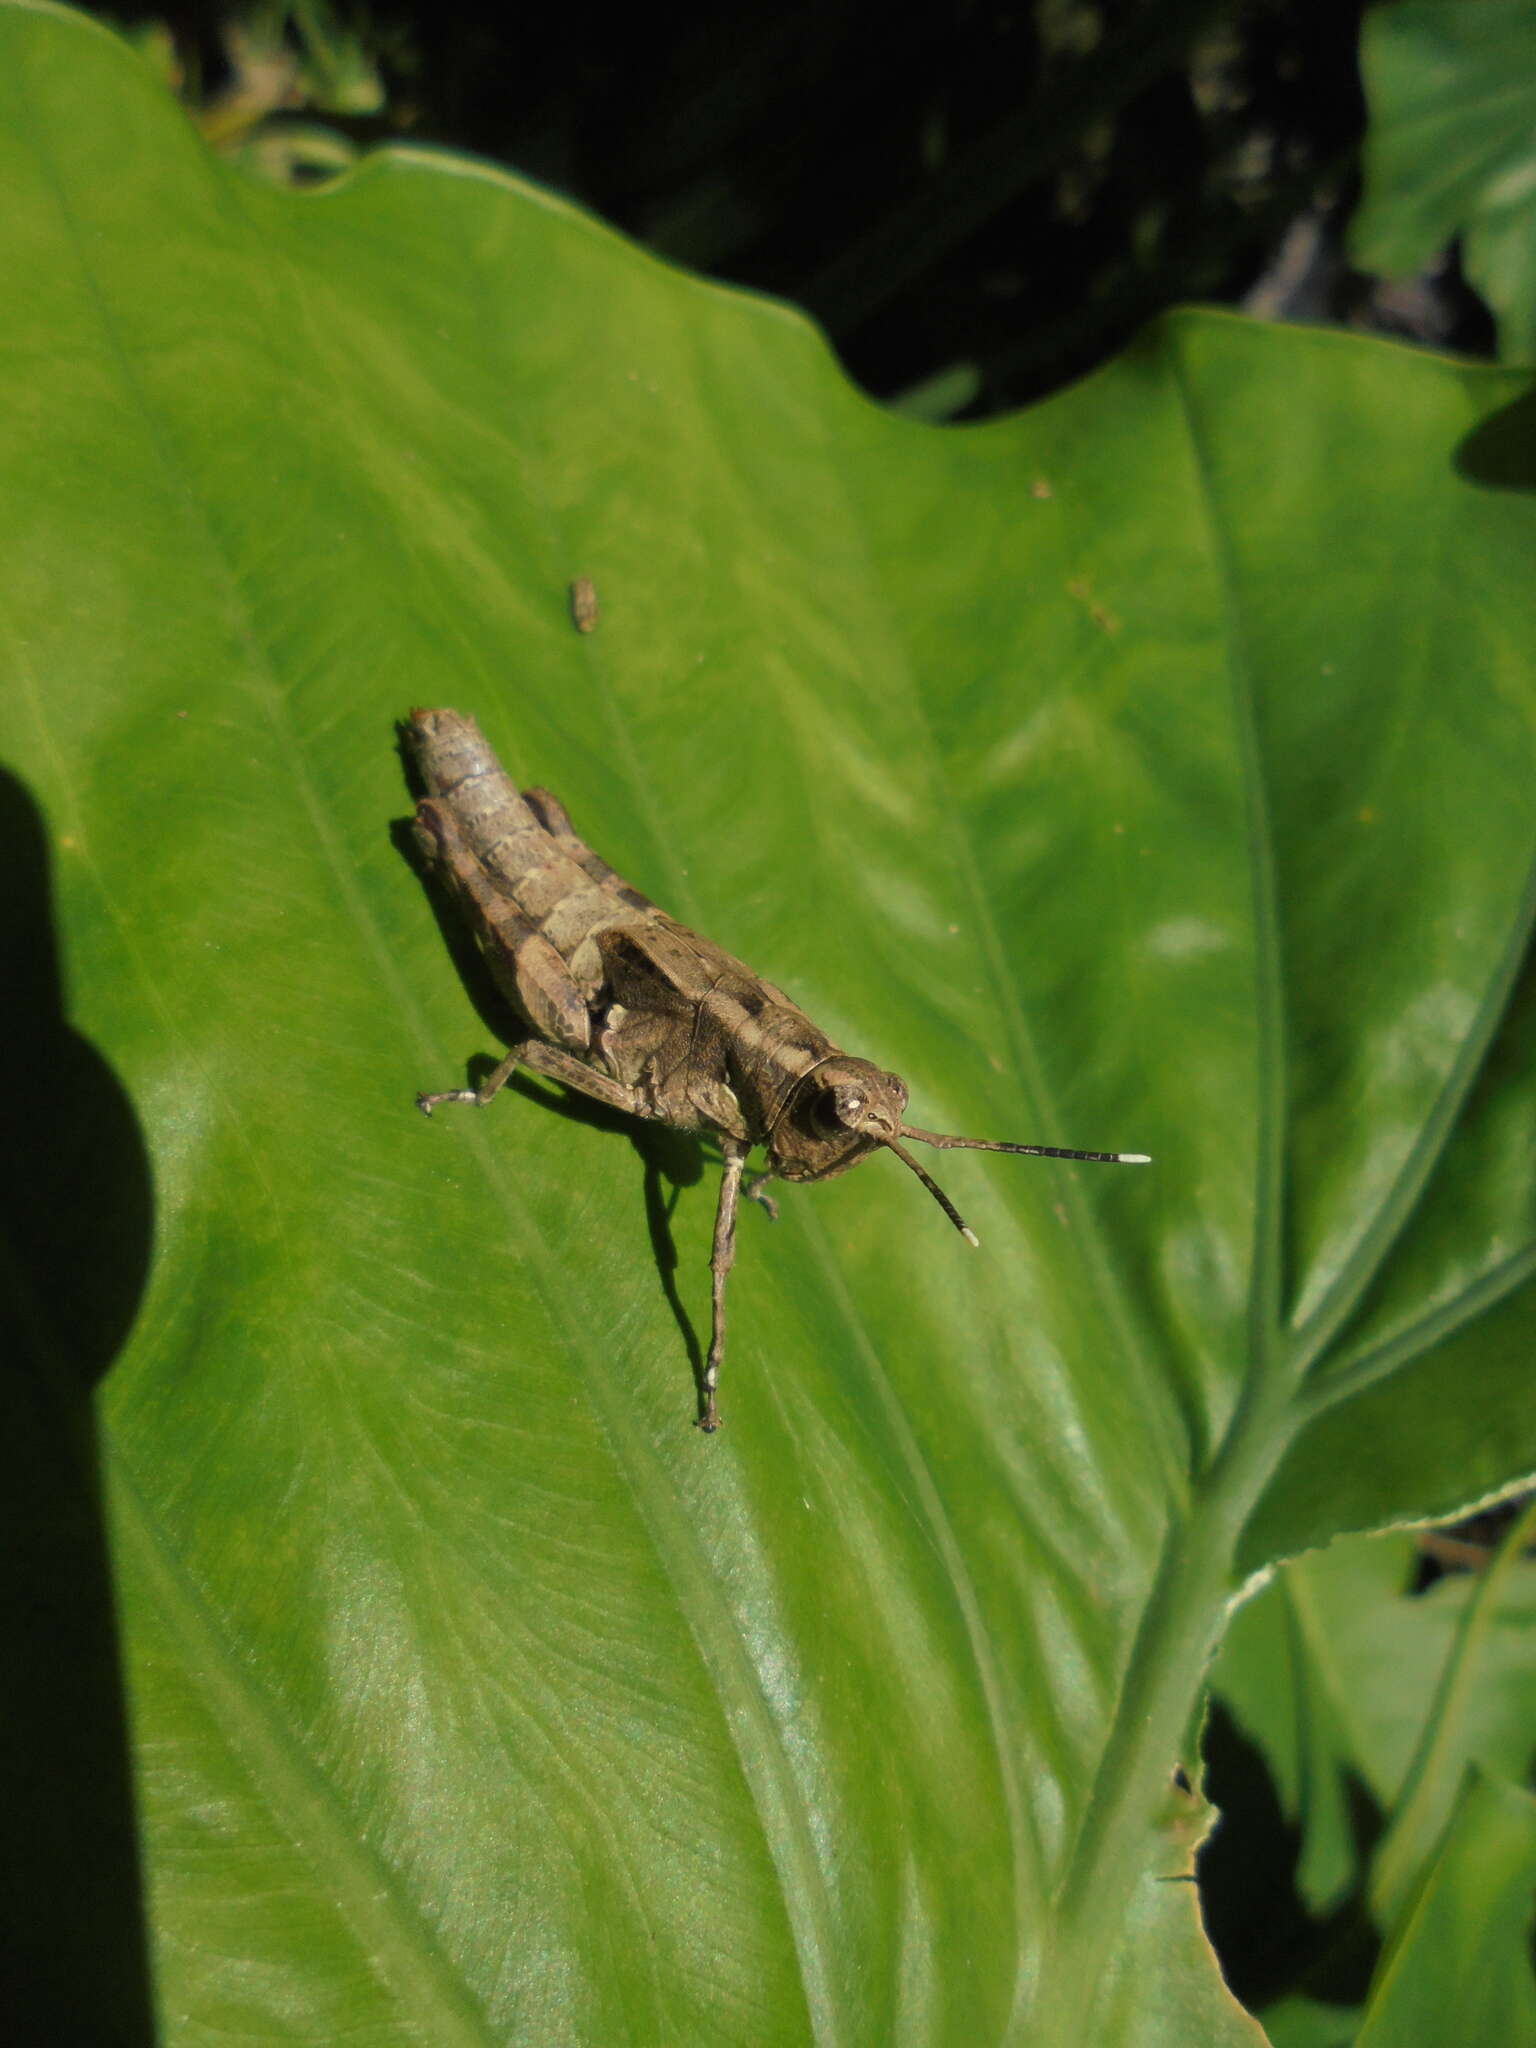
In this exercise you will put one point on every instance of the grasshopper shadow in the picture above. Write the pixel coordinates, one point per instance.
(1499, 453)
(672, 1160)
(75, 1199)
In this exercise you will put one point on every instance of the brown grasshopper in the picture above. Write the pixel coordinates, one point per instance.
(633, 1009)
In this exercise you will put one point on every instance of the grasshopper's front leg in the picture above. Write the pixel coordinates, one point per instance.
(563, 1066)
(720, 1261)
(542, 1059)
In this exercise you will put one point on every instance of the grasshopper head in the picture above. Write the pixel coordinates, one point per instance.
(841, 1110)
(845, 1108)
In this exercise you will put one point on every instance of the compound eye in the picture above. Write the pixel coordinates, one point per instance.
(837, 1110)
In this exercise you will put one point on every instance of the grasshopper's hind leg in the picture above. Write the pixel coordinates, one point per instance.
(540, 1058)
(721, 1258)
(556, 820)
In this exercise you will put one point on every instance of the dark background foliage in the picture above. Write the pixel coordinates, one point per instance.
(988, 196)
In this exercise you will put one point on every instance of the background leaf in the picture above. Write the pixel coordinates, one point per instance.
(1152, 770)
(1359, 1707)
(1461, 1961)
(1459, 1722)
(1451, 150)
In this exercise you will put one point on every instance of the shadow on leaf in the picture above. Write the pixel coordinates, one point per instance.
(1500, 451)
(77, 1230)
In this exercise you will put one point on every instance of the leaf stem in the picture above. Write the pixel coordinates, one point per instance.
(1180, 1626)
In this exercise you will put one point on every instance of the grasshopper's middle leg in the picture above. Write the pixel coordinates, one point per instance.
(720, 1261)
(542, 1059)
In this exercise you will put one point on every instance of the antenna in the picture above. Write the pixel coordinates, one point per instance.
(947, 1144)
(933, 1187)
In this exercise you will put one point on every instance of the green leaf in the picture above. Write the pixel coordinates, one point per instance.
(1313, 1668)
(1458, 1715)
(1337, 1670)
(1307, 2023)
(1459, 1968)
(1451, 150)
(1148, 771)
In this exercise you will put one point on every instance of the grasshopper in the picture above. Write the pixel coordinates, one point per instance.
(633, 1009)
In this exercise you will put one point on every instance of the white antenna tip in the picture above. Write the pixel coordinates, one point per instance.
(1135, 1158)
(970, 1236)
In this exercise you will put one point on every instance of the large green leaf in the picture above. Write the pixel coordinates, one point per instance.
(1152, 770)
